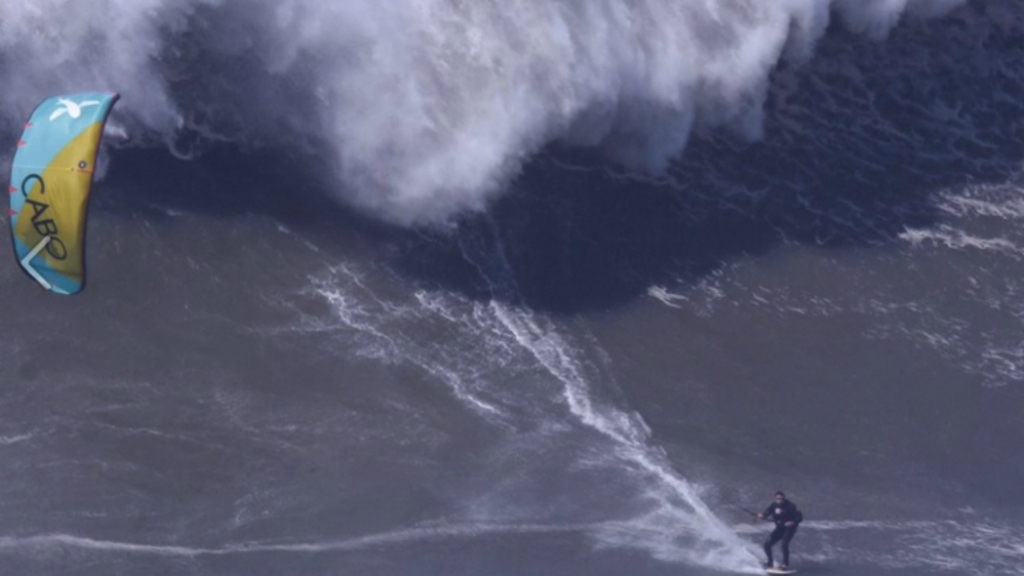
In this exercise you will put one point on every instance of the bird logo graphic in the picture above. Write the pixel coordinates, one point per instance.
(71, 108)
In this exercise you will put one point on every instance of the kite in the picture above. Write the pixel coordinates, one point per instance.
(51, 177)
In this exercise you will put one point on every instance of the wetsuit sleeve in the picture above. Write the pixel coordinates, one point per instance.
(769, 511)
(798, 516)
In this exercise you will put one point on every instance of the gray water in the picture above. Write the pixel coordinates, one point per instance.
(589, 378)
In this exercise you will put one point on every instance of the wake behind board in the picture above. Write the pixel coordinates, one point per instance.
(779, 571)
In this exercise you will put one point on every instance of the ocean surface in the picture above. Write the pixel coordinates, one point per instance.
(529, 288)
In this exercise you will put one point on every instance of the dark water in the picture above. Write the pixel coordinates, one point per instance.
(586, 380)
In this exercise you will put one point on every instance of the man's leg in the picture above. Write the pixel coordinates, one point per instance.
(790, 532)
(774, 537)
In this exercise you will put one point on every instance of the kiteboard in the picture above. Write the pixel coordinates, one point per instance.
(780, 571)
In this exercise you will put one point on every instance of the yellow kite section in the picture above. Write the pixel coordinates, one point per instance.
(56, 205)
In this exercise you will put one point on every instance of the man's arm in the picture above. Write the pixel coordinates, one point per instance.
(768, 512)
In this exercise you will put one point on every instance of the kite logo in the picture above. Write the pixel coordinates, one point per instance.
(71, 108)
(43, 226)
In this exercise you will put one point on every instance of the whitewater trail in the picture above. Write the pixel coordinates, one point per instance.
(424, 532)
(716, 544)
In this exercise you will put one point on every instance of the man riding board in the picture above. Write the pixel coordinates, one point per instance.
(787, 519)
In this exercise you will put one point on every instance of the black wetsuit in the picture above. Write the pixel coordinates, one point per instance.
(782, 513)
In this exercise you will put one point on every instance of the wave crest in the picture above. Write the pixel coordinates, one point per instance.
(425, 107)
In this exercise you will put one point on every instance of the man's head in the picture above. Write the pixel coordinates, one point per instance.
(780, 497)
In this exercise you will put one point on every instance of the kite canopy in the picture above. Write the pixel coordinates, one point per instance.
(50, 181)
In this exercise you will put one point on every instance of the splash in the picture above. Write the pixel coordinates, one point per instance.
(425, 107)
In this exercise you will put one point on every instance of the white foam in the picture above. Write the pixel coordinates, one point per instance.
(8, 440)
(956, 239)
(425, 106)
(958, 546)
(712, 543)
(367, 319)
(1002, 363)
(999, 201)
(476, 348)
(701, 297)
(667, 298)
(422, 532)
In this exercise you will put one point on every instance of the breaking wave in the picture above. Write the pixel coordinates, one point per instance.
(424, 108)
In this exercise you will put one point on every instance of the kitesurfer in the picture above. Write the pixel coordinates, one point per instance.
(787, 519)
